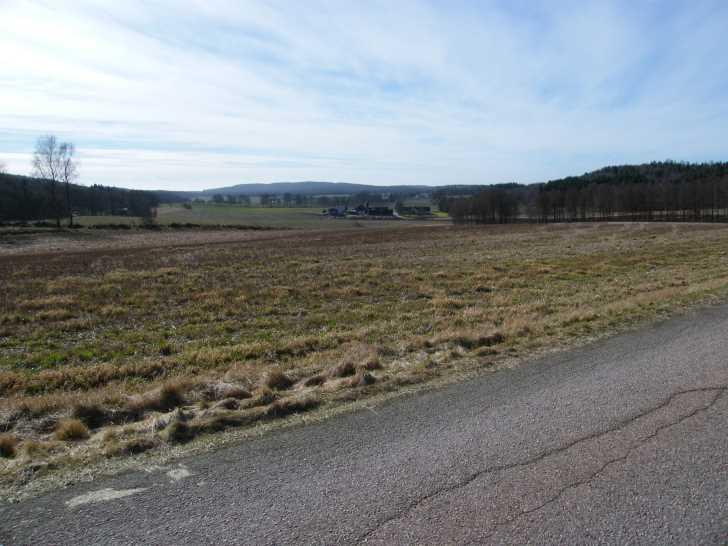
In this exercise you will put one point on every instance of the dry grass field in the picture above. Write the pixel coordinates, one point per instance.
(114, 348)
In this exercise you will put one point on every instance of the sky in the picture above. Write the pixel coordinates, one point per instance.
(168, 94)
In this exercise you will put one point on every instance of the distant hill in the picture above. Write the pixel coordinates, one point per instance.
(312, 188)
(645, 173)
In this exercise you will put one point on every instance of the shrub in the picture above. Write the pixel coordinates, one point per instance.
(71, 429)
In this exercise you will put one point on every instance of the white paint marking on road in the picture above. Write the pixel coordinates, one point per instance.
(179, 473)
(102, 495)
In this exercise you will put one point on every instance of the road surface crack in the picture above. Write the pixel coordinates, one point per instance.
(718, 390)
(622, 458)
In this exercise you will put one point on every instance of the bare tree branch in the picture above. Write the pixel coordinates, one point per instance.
(69, 173)
(47, 164)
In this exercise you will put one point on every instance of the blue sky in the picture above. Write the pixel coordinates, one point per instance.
(187, 95)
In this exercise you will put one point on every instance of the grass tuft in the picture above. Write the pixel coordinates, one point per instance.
(361, 379)
(167, 397)
(263, 397)
(71, 430)
(287, 406)
(8, 445)
(276, 379)
(92, 415)
(345, 369)
(315, 380)
(228, 403)
(178, 430)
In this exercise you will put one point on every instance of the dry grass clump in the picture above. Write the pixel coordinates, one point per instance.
(262, 397)
(71, 430)
(167, 397)
(178, 430)
(276, 379)
(181, 428)
(34, 449)
(344, 369)
(92, 415)
(287, 406)
(358, 357)
(220, 420)
(467, 340)
(8, 445)
(228, 403)
(221, 391)
(315, 380)
(137, 445)
(361, 379)
(133, 446)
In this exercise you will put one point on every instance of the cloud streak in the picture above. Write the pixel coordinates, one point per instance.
(160, 95)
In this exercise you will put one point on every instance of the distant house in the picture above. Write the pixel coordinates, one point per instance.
(379, 209)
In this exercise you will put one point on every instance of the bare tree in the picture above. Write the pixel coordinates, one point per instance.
(55, 162)
(69, 173)
(3, 170)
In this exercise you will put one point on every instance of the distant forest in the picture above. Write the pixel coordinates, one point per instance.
(26, 198)
(659, 191)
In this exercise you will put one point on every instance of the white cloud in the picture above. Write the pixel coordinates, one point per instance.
(208, 93)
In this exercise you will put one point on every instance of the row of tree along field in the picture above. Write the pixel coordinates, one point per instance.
(52, 194)
(660, 191)
(23, 198)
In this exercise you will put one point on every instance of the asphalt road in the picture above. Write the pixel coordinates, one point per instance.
(625, 441)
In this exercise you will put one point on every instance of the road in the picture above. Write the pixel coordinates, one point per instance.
(623, 441)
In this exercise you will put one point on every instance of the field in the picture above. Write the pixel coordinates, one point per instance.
(276, 217)
(210, 214)
(133, 342)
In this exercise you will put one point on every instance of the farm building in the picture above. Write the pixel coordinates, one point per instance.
(415, 208)
(373, 209)
(379, 209)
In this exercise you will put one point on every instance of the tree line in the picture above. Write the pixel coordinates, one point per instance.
(24, 198)
(658, 191)
(304, 200)
(51, 193)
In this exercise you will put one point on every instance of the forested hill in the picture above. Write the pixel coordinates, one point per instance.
(27, 198)
(654, 191)
(656, 172)
(311, 188)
